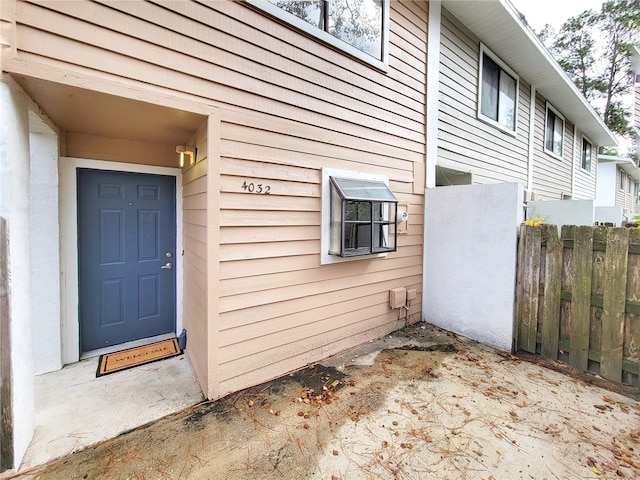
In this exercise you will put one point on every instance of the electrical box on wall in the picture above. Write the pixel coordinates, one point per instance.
(397, 297)
(403, 219)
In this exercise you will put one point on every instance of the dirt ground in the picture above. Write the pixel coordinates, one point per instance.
(419, 404)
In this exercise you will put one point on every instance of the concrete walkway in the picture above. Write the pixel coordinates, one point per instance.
(74, 409)
(419, 404)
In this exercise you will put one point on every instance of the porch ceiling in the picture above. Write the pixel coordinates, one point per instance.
(89, 112)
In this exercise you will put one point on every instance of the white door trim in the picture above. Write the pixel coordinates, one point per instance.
(70, 326)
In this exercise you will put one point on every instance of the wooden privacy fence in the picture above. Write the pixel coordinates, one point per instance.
(578, 298)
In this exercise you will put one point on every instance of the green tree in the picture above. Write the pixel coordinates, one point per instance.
(594, 48)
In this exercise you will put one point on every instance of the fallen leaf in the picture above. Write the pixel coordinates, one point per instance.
(406, 445)
(521, 404)
(499, 452)
(335, 453)
(497, 434)
(591, 461)
(608, 399)
(596, 471)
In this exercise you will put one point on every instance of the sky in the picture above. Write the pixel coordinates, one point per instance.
(555, 12)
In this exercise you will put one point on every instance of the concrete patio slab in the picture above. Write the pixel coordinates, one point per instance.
(419, 404)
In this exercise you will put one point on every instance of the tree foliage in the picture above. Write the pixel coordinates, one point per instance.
(595, 48)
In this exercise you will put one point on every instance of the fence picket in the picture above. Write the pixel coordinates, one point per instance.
(613, 304)
(552, 286)
(581, 298)
(589, 313)
(530, 287)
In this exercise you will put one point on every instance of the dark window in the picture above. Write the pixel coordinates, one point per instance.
(363, 218)
(554, 133)
(586, 154)
(359, 23)
(498, 95)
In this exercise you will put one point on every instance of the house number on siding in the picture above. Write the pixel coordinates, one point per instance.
(256, 188)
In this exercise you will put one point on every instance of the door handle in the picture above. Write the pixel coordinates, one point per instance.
(167, 266)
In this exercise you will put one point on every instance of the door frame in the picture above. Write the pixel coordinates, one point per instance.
(70, 322)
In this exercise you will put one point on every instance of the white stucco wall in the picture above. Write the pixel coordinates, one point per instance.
(45, 247)
(606, 185)
(563, 212)
(14, 206)
(470, 260)
(609, 215)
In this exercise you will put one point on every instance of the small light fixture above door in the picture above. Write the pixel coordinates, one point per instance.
(186, 150)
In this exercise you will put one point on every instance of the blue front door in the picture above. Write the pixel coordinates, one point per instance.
(126, 256)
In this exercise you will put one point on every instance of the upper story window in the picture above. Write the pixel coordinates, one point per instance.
(497, 92)
(622, 178)
(554, 132)
(587, 150)
(359, 27)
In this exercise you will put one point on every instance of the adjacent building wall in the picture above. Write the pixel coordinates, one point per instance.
(585, 180)
(551, 175)
(563, 212)
(470, 260)
(606, 186)
(465, 142)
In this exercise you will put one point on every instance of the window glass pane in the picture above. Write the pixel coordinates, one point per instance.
(363, 189)
(586, 155)
(490, 85)
(335, 223)
(357, 238)
(507, 101)
(357, 211)
(310, 11)
(558, 131)
(358, 23)
(385, 237)
(549, 132)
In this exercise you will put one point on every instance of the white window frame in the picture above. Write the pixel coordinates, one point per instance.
(548, 108)
(326, 37)
(586, 139)
(485, 51)
(325, 257)
(621, 182)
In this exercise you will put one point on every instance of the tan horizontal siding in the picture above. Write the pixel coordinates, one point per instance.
(194, 257)
(318, 346)
(465, 142)
(288, 105)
